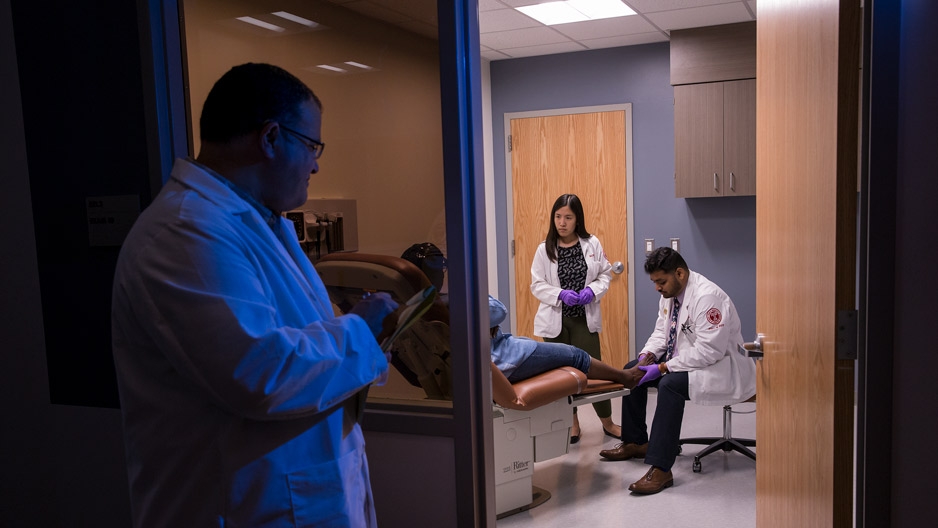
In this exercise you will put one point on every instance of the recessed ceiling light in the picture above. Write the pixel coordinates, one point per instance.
(260, 23)
(567, 11)
(597, 9)
(294, 18)
(330, 68)
(359, 65)
(553, 13)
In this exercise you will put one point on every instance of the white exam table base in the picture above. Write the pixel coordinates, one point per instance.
(525, 437)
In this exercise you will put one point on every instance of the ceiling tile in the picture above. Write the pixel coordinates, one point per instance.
(490, 5)
(505, 19)
(701, 16)
(522, 3)
(651, 6)
(625, 40)
(522, 37)
(607, 27)
(493, 55)
(546, 49)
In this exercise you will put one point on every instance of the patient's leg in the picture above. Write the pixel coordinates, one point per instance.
(605, 371)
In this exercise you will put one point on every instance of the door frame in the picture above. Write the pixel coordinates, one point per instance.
(630, 210)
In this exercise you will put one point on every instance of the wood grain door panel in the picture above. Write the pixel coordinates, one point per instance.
(807, 84)
(583, 154)
(739, 137)
(698, 140)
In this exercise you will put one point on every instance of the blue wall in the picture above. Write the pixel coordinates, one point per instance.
(718, 235)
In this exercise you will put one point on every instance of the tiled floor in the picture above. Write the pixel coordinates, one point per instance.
(590, 492)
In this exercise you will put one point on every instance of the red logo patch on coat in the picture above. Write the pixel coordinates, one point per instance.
(714, 316)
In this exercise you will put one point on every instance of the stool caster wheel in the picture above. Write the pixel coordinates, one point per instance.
(696, 465)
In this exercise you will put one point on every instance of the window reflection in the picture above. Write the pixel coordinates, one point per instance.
(379, 190)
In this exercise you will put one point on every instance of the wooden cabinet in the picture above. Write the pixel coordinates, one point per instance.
(715, 139)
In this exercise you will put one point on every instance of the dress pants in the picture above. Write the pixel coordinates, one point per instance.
(665, 441)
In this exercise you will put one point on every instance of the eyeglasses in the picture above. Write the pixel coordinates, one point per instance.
(316, 147)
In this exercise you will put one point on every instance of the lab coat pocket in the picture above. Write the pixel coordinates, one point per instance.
(330, 494)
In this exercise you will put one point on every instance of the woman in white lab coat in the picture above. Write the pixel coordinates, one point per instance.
(569, 275)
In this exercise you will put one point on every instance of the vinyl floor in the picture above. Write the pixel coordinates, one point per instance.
(590, 492)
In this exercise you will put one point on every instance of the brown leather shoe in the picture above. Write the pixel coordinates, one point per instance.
(625, 451)
(653, 481)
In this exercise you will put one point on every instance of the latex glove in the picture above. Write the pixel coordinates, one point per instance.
(651, 373)
(586, 296)
(374, 309)
(569, 297)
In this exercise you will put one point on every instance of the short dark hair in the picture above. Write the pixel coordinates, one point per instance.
(249, 95)
(573, 202)
(664, 259)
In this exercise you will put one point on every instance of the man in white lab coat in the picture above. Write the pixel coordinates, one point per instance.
(692, 354)
(239, 388)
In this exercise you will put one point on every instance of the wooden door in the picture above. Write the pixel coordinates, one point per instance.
(583, 154)
(739, 138)
(698, 140)
(808, 62)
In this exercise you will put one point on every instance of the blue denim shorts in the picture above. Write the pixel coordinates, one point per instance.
(548, 356)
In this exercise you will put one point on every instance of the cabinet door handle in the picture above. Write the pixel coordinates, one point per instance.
(733, 182)
(716, 188)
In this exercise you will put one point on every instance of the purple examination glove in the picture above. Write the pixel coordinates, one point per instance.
(569, 297)
(651, 373)
(373, 309)
(586, 296)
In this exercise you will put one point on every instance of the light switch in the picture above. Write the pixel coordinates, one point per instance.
(676, 244)
(649, 245)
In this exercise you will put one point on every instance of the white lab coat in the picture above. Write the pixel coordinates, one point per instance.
(235, 377)
(706, 344)
(545, 285)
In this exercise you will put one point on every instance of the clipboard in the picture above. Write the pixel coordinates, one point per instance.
(413, 310)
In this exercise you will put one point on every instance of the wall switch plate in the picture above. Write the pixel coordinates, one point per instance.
(649, 245)
(676, 244)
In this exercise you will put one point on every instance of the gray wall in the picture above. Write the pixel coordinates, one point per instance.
(718, 235)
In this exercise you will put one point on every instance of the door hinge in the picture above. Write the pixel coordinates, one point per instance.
(509, 142)
(512, 248)
(846, 347)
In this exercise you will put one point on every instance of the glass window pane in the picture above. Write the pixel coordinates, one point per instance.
(379, 190)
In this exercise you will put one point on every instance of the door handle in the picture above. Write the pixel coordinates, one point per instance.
(617, 267)
(716, 187)
(754, 349)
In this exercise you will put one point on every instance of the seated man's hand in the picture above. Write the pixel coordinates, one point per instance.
(374, 309)
(652, 372)
(647, 359)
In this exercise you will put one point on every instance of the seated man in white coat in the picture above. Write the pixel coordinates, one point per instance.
(691, 355)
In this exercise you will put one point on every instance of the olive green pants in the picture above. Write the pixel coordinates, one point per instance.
(574, 331)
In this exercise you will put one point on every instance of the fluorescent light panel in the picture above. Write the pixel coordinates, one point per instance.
(294, 18)
(567, 11)
(358, 65)
(330, 68)
(260, 23)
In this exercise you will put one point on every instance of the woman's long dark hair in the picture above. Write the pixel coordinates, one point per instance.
(572, 201)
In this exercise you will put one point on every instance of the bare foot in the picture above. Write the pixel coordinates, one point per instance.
(633, 376)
